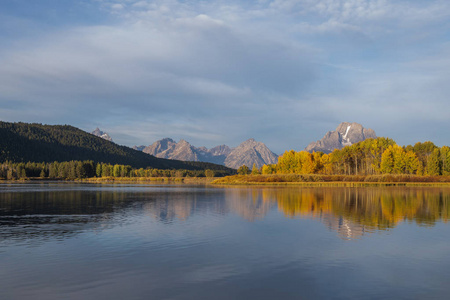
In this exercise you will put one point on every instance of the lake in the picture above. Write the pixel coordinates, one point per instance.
(121, 241)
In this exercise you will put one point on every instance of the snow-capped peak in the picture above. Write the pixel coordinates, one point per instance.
(345, 139)
(346, 132)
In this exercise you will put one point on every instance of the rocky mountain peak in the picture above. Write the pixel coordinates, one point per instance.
(103, 135)
(160, 146)
(97, 132)
(346, 134)
(219, 150)
(183, 142)
(249, 152)
(166, 141)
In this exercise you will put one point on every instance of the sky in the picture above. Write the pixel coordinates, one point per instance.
(283, 72)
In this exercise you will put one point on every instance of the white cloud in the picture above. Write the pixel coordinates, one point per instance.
(117, 6)
(234, 70)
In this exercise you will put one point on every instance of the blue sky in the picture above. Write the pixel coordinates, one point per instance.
(219, 72)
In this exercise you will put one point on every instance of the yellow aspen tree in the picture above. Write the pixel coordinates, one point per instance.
(266, 170)
(434, 163)
(445, 160)
(399, 159)
(317, 162)
(307, 162)
(387, 161)
(327, 166)
(412, 162)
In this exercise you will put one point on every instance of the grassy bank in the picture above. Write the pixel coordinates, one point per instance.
(335, 180)
(312, 180)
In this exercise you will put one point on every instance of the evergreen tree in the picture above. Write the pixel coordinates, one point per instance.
(53, 170)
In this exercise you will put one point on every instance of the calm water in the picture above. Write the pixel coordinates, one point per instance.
(78, 241)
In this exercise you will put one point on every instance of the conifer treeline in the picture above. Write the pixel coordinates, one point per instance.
(369, 157)
(89, 169)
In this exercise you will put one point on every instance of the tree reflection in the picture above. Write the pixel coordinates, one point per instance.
(355, 211)
(351, 212)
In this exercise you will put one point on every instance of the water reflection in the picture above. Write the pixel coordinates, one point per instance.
(180, 205)
(351, 212)
(69, 241)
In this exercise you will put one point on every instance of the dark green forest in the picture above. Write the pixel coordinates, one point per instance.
(71, 170)
(24, 142)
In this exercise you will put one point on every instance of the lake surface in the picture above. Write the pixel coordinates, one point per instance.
(86, 241)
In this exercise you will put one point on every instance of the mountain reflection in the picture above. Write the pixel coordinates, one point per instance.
(171, 206)
(351, 212)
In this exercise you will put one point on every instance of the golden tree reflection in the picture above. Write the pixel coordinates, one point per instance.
(352, 212)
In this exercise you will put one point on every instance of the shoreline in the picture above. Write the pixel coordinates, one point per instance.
(338, 184)
(311, 180)
(224, 181)
(143, 180)
(315, 180)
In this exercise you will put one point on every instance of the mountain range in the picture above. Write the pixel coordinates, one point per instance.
(24, 142)
(346, 134)
(247, 153)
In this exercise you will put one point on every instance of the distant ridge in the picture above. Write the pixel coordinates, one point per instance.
(23, 142)
(249, 152)
(346, 134)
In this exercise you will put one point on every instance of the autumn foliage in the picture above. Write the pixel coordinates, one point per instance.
(370, 157)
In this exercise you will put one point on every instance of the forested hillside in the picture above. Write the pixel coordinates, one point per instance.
(23, 142)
